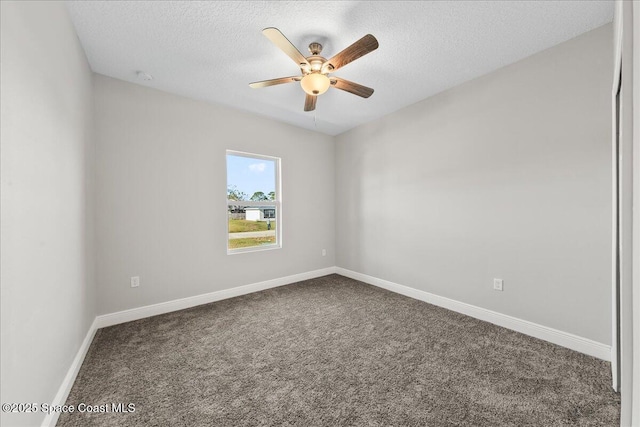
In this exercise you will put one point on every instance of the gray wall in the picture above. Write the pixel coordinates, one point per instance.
(505, 176)
(161, 196)
(47, 287)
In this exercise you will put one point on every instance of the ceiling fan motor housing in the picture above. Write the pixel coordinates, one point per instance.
(316, 62)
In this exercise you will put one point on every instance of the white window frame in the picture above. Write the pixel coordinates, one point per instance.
(270, 203)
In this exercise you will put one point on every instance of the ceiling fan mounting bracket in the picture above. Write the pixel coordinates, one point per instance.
(315, 48)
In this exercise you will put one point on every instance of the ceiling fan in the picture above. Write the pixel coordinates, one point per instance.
(315, 69)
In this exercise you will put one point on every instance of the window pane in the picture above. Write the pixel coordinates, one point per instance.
(251, 179)
(256, 226)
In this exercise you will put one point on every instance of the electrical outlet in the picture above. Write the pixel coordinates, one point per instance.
(135, 281)
(497, 284)
(324, 252)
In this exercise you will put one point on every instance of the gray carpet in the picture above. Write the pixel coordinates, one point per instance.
(335, 352)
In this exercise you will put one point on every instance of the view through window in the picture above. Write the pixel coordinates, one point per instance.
(253, 202)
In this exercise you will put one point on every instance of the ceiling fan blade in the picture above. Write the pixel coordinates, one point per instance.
(351, 87)
(285, 45)
(310, 102)
(273, 82)
(358, 49)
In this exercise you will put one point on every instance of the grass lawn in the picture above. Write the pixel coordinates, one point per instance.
(251, 241)
(242, 225)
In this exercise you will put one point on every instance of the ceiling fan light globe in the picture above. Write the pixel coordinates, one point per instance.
(315, 84)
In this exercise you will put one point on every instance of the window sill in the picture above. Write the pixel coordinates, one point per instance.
(253, 249)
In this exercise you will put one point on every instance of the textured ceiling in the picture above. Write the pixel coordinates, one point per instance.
(212, 50)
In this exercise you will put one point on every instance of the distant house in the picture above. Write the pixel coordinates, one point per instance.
(260, 214)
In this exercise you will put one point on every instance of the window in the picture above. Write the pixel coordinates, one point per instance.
(253, 202)
(269, 213)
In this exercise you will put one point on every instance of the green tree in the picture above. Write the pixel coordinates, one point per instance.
(234, 194)
(272, 195)
(258, 196)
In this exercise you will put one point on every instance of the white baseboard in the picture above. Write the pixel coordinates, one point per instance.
(155, 309)
(180, 304)
(564, 339)
(63, 392)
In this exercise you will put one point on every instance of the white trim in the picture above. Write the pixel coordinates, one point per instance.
(151, 310)
(63, 392)
(617, 66)
(635, 227)
(617, 44)
(614, 244)
(277, 202)
(564, 339)
(253, 249)
(180, 304)
(251, 203)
